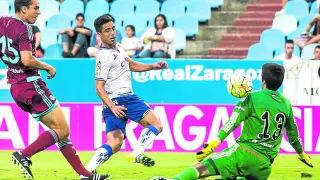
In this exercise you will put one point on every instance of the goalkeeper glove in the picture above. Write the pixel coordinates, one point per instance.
(208, 148)
(305, 159)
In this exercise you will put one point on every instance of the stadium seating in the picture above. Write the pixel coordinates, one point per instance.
(147, 9)
(314, 9)
(173, 10)
(259, 51)
(200, 10)
(305, 21)
(71, 8)
(273, 38)
(49, 37)
(96, 8)
(297, 8)
(122, 9)
(139, 23)
(59, 22)
(285, 23)
(295, 34)
(181, 40)
(49, 8)
(307, 52)
(89, 23)
(188, 24)
(280, 51)
(4, 8)
(53, 51)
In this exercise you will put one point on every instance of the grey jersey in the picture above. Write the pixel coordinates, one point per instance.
(112, 66)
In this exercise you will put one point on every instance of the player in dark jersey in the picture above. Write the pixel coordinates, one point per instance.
(17, 45)
(265, 114)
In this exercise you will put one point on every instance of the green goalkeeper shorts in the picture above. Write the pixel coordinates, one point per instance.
(239, 161)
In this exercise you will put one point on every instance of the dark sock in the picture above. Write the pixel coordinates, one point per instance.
(44, 141)
(71, 155)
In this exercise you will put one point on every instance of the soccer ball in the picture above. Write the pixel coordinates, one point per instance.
(239, 86)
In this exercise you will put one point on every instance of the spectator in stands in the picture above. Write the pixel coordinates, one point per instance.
(79, 37)
(37, 33)
(131, 44)
(288, 55)
(316, 33)
(96, 42)
(159, 41)
(316, 53)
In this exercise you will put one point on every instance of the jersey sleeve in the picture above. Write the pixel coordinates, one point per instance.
(103, 66)
(25, 38)
(292, 133)
(240, 113)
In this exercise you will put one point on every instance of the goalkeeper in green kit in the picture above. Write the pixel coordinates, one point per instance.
(265, 114)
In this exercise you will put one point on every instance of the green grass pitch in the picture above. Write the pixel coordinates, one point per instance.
(53, 166)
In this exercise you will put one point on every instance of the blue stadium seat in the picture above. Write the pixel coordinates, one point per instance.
(54, 51)
(280, 51)
(188, 24)
(138, 23)
(4, 8)
(259, 51)
(307, 52)
(314, 9)
(181, 40)
(173, 10)
(215, 3)
(295, 34)
(89, 23)
(49, 8)
(139, 34)
(147, 9)
(59, 22)
(48, 37)
(96, 8)
(71, 8)
(305, 21)
(297, 8)
(285, 23)
(273, 38)
(122, 9)
(200, 10)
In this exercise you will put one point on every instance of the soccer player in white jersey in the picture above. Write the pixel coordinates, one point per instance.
(114, 87)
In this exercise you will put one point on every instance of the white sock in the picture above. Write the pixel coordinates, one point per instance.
(146, 138)
(102, 155)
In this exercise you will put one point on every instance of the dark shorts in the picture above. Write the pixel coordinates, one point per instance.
(34, 97)
(137, 109)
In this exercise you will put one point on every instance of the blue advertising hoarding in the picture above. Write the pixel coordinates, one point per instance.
(187, 81)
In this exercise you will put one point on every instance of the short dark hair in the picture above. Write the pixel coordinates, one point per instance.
(165, 25)
(317, 47)
(80, 15)
(101, 21)
(273, 75)
(289, 41)
(19, 3)
(132, 28)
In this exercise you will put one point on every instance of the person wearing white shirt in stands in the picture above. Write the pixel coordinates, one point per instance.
(288, 55)
(131, 44)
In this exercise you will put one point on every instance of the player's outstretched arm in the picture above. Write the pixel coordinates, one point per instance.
(30, 61)
(295, 141)
(140, 67)
(241, 112)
